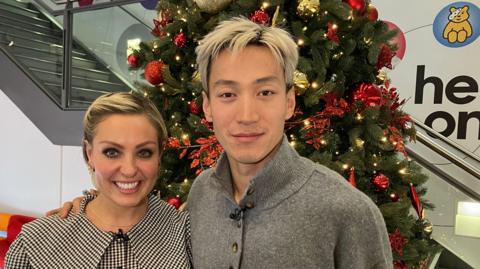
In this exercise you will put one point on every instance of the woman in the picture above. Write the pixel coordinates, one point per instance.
(123, 226)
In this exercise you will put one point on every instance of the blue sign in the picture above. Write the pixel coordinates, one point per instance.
(149, 4)
(457, 24)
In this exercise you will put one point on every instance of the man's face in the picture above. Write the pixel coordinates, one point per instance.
(248, 104)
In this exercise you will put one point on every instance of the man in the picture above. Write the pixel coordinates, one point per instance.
(263, 205)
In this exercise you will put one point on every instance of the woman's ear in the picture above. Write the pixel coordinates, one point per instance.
(87, 152)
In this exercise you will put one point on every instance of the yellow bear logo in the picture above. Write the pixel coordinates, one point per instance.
(458, 29)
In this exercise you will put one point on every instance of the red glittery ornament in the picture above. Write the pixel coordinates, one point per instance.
(153, 72)
(385, 57)
(133, 60)
(175, 201)
(194, 108)
(358, 5)
(372, 13)
(260, 17)
(381, 182)
(397, 241)
(180, 40)
(369, 93)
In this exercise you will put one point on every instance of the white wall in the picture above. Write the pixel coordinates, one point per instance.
(35, 175)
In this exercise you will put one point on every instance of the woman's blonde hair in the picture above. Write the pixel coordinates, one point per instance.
(237, 33)
(122, 103)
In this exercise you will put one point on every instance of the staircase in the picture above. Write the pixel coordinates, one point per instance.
(34, 43)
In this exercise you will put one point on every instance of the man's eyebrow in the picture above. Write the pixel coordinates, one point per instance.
(225, 82)
(267, 79)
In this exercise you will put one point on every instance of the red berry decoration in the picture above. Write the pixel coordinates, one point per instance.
(358, 5)
(372, 13)
(369, 93)
(260, 17)
(381, 182)
(133, 60)
(153, 72)
(397, 241)
(180, 40)
(194, 108)
(175, 201)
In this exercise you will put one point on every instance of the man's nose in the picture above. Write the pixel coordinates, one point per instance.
(247, 112)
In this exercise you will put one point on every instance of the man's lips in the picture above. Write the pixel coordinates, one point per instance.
(246, 137)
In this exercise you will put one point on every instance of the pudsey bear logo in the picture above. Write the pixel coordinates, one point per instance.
(457, 24)
(458, 29)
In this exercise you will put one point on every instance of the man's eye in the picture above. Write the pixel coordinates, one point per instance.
(266, 93)
(226, 95)
(110, 153)
(145, 153)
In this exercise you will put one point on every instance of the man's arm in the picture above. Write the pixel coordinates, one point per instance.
(73, 206)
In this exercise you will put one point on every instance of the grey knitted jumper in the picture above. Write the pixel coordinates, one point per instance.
(295, 214)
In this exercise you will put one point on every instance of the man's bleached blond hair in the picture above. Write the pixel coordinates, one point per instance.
(237, 33)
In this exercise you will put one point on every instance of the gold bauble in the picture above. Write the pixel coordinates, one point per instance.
(427, 227)
(308, 8)
(212, 6)
(301, 81)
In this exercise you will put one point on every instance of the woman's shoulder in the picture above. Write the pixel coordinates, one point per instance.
(164, 212)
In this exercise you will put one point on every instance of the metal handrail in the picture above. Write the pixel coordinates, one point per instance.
(458, 147)
(68, 13)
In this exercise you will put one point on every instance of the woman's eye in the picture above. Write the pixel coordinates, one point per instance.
(110, 152)
(145, 153)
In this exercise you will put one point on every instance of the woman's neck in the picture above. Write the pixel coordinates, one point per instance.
(110, 217)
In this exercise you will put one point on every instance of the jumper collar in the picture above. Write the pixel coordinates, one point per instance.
(284, 174)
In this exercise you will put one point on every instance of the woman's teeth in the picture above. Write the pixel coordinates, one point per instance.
(127, 185)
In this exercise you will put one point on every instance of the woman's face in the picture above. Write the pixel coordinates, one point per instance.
(125, 156)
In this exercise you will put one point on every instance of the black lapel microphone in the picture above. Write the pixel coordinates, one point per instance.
(237, 214)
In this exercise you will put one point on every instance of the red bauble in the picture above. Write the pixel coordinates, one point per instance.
(332, 32)
(381, 182)
(194, 108)
(385, 57)
(175, 201)
(372, 13)
(369, 93)
(394, 197)
(260, 17)
(133, 60)
(358, 5)
(180, 40)
(153, 72)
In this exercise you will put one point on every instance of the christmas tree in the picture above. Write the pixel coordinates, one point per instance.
(347, 117)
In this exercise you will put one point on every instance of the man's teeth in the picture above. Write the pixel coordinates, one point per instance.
(127, 186)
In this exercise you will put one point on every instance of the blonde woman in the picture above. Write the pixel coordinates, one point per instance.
(123, 226)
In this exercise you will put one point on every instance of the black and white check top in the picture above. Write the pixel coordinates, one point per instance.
(160, 240)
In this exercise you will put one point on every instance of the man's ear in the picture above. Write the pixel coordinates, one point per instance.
(206, 106)
(290, 103)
